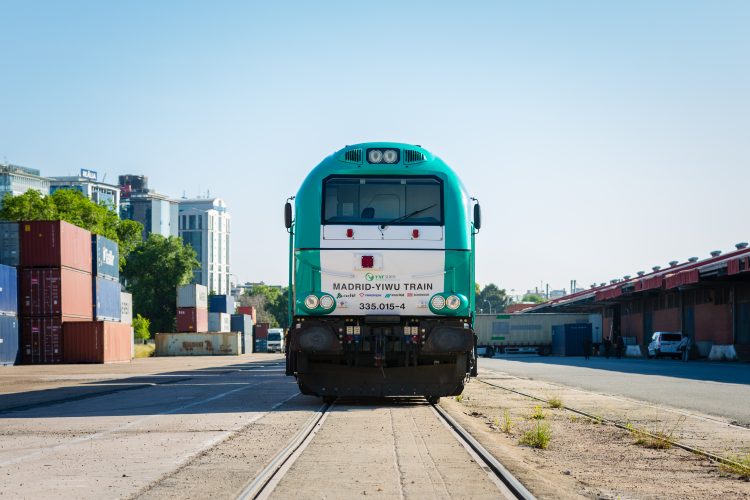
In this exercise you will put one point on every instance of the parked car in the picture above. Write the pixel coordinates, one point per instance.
(665, 344)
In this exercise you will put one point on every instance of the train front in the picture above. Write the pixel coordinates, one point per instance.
(382, 276)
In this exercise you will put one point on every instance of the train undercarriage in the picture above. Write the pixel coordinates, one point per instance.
(376, 356)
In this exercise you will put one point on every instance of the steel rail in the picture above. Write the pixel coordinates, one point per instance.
(508, 480)
(265, 482)
(697, 451)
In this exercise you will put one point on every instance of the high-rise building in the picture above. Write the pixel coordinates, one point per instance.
(158, 213)
(16, 180)
(205, 226)
(88, 184)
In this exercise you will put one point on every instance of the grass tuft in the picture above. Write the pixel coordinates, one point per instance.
(537, 414)
(460, 398)
(507, 425)
(742, 469)
(659, 439)
(537, 437)
(555, 402)
(144, 350)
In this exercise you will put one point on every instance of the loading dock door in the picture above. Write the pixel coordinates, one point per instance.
(742, 328)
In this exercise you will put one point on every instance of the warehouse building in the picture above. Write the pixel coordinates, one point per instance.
(707, 300)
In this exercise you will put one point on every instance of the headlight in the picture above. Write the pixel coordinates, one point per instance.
(390, 156)
(453, 302)
(326, 302)
(375, 156)
(311, 302)
(437, 302)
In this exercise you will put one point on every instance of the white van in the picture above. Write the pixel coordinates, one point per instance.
(665, 344)
(275, 340)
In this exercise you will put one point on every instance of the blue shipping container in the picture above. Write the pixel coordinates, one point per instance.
(243, 323)
(106, 299)
(261, 345)
(567, 340)
(8, 340)
(9, 244)
(106, 257)
(8, 291)
(221, 304)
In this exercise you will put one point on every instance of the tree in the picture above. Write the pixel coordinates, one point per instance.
(533, 297)
(154, 270)
(271, 304)
(141, 327)
(72, 206)
(492, 298)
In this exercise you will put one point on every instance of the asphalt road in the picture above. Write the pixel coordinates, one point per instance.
(717, 389)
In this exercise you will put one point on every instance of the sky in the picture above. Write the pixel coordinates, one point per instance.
(601, 138)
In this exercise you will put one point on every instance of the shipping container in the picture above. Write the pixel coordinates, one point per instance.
(126, 308)
(249, 310)
(261, 345)
(56, 291)
(261, 331)
(221, 304)
(519, 331)
(96, 342)
(55, 244)
(105, 260)
(219, 322)
(198, 344)
(243, 323)
(192, 319)
(192, 296)
(41, 339)
(107, 306)
(8, 340)
(10, 253)
(8, 291)
(568, 339)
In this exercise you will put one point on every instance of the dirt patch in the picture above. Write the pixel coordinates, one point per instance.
(587, 458)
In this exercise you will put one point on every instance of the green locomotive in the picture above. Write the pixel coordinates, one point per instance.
(381, 275)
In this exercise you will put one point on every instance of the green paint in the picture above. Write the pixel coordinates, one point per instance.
(497, 338)
(502, 316)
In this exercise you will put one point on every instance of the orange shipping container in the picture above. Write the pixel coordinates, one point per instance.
(96, 342)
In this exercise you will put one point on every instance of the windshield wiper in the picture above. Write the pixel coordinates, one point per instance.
(404, 217)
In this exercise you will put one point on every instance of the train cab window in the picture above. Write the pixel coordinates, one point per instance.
(378, 200)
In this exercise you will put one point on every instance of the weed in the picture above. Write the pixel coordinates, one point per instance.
(537, 414)
(742, 468)
(597, 420)
(537, 437)
(507, 422)
(659, 439)
(460, 398)
(555, 402)
(144, 350)
(574, 418)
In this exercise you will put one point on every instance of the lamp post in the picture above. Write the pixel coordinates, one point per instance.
(489, 304)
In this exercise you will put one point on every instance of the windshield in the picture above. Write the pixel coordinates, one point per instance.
(379, 200)
(671, 337)
(274, 336)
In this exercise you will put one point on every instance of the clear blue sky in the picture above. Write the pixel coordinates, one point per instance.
(601, 137)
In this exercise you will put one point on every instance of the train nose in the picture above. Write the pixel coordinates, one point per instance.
(318, 339)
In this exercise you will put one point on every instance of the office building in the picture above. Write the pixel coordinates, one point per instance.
(88, 184)
(16, 180)
(158, 213)
(205, 226)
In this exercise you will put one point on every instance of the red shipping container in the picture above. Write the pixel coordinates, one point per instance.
(42, 340)
(250, 310)
(261, 331)
(96, 342)
(192, 319)
(54, 244)
(56, 291)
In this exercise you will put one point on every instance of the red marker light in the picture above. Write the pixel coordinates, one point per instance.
(368, 261)
(415, 233)
(350, 233)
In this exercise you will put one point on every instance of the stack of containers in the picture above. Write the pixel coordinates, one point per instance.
(126, 317)
(192, 308)
(106, 278)
(55, 286)
(249, 310)
(106, 339)
(220, 307)
(243, 323)
(260, 337)
(8, 315)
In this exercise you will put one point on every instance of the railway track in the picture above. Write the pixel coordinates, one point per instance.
(263, 485)
(707, 454)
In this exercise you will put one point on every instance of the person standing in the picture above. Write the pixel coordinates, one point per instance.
(620, 346)
(607, 347)
(685, 344)
(586, 347)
